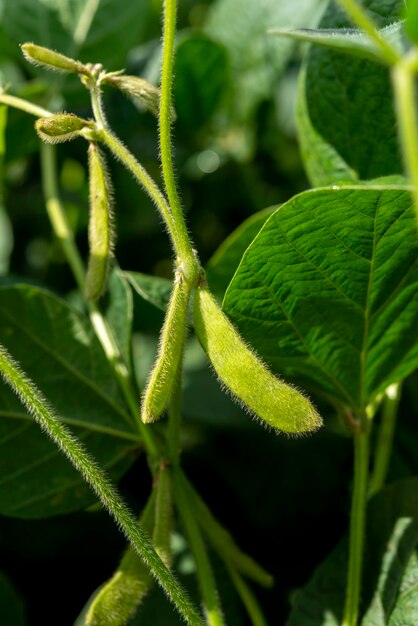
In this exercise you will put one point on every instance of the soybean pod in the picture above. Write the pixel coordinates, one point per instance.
(101, 233)
(245, 375)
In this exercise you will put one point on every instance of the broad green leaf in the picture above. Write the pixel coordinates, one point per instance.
(349, 100)
(411, 25)
(58, 350)
(91, 30)
(348, 40)
(222, 265)
(323, 165)
(11, 606)
(153, 289)
(119, 312)
(202, 73)
(327, 291)
(391, 567)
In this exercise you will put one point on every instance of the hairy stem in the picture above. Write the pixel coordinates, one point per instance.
(359, 16)
(205, 576)
(185, 251)
(36, 404)
(385, 438)
(403, 79)
(357, 527)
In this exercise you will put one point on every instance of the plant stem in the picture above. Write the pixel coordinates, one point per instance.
(248, 599)
(403, 78)
(363, 21)
(185, 250)
(174, 418)
(385, 438)
(357, 527)
(103, 332)
(24, 105)
(93, 475)
(210, 597)
(122, 153)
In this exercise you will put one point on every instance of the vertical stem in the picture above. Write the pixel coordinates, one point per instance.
(385, 438)
(205, 576)
(186, 252)
(403, 78)
(357, 527)
(247, 597)
(174, 418)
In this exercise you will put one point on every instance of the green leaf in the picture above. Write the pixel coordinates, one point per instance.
(391, 567)
(59, 351)
(153, 289)
(349, 100)
(258, 60)
(411, 25)
(222, 265)
(119, 312)
(327, 291)
(323, 164)
(348, 40)
(201, 75)
(93, 30)
(11, 606)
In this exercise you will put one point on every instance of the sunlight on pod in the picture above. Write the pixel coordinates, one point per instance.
(142, 93)
(119, 598)
(38, 55)
(173, 335)
(245, 375)
(101, 233)
(60, 127)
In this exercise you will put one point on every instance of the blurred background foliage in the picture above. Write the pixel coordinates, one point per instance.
(285, 500)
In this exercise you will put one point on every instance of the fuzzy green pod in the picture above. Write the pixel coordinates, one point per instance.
(280, 405)
(38, 55)
(118, 599)
(101, 234)
(173, 334)
(143, 93)
(60, 127)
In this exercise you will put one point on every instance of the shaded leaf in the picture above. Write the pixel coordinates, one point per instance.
(327, 292)
(11, 606)
(59, 351)
(153, 289)
(349, 100)
(119, 312)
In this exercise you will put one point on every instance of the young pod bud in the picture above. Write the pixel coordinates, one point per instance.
(38, 55)
(59, 127)
(119, 597)
(140, 91)
(101, 232)
(164, 372)
(245, 375)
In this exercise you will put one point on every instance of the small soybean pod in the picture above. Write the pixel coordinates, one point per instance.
(39, 55)
(100, 231)
(60, 127)
(118, 599)
(173, 334)
(250, 381)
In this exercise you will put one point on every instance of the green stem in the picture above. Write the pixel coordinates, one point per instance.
(97, 106)
(205, 576)
(247, 597)
(93, 475)
(357, 527)
(363, 21)
(174, 419)
(385, 438)
(24, 105)
(403, 78)
(185, 250)
(122, 153)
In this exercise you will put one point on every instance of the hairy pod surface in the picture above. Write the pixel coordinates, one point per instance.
(38, 55)
(119, 597)
(59, 127)
(143, 93)
(164, 372)
(245, 375)
(101, 234)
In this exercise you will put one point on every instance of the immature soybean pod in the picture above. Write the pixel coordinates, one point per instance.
(100, 224)
(164, 373)
(245, 375)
